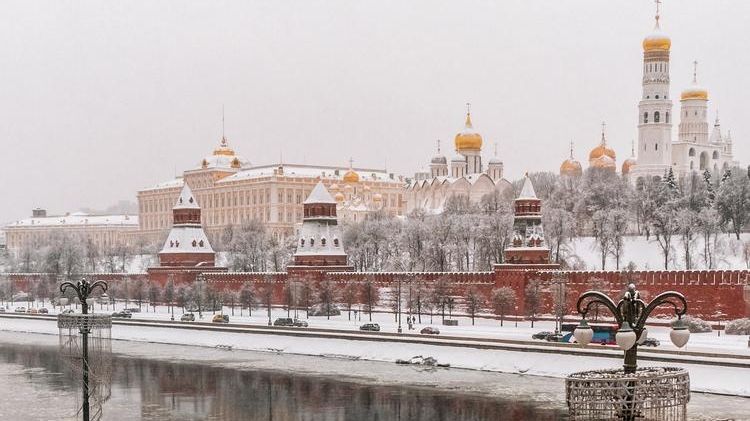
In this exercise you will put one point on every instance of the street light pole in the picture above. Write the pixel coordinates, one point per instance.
(399, 305)
(631, 313)
(83, 290)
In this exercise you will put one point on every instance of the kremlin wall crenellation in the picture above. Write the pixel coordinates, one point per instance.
(307, 203)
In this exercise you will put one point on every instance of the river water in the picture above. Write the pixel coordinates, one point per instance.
(37, 385)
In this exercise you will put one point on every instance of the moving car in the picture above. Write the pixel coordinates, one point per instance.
(542, 335)
(2, 309)
(43, 310)
(122, 315)
(220, 318)
(32, 311)
(67, 311)
(133, 310)
(650, 342)
(429, 330)
(299, 323)
(20, 310)
(283, 321)
(373, 327)
(187, 317)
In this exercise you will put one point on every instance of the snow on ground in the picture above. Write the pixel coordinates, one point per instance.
(713, 379)
(648, 255)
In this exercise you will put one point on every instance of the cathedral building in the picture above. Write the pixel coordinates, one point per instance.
(231, 192)
(465, 175)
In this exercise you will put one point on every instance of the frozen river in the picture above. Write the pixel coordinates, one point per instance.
(170, 382)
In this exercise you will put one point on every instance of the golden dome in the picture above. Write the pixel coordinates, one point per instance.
(604, 162)
(339, 197)
(468, 139)
(694, 92)
(657, 41)
(571, 168)
(224, 148)
(600, 151)
(351, 176)
(627, 165)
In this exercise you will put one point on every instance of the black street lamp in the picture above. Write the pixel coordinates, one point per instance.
(399, 305)
(631, 313)
(83, 290)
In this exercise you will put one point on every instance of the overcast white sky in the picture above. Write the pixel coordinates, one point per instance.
(99, 99)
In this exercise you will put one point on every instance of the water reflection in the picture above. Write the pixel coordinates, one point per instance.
(157, 390)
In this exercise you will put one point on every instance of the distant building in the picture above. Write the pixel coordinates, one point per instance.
(528, 247)
(103, 231)
(233, 192)
(464, 176)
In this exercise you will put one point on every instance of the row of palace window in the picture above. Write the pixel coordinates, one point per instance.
(322, 242)
(656, 146)
(655, 67)
(657, 117)
(691, 152)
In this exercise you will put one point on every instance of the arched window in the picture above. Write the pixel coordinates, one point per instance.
(657, 117)
(323, 242)
(657, 96)
(335, 242)
(312, 242)
(645, 118)
(716, 155)
(666, 116)
(656, 146)
(691, 165)
(301, 242)
(691, 152)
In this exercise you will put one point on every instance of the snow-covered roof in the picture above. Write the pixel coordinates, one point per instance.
(527, 191)
(308, 171)
(319, 194)
(175, 182)
(187, 240)
(326, 240)
(186, 199)
(223, 162)
(77, 219)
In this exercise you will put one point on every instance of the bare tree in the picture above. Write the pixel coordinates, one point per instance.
(474, 301)
(533, 298)
(154, 294)
(248, 296)
(349, 296)
(503, 299)
(370, 296)
(327, 295)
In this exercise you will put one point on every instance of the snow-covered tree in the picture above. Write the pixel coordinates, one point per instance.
(733, 200)
(503, 301)
(533, 298)
(559, 228)
(248, 297)
(473, 301)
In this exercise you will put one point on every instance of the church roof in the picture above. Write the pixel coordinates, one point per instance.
(186, 199)
(527, 191)
(319, 194)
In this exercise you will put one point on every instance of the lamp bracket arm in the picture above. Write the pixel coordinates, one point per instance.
(589, 298)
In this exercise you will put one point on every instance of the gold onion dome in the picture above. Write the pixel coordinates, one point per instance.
(604, 162)
(571, 167)
(468, 139)
(351, 176)
(657, 40)
(224, 149)
(628, 165)
(695, 91)
(339, 197)
(602, 150)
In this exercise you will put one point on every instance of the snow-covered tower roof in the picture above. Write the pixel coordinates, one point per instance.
(320, 241)
(528, 246)
(527, 191)
(187, 243)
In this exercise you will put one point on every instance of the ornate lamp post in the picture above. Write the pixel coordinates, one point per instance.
(84, 322)
(626, 392)
(199, 280)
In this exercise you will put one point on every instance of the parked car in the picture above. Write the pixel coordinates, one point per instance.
(651, 342)
(43, 310)
(187, 317)
(32, 311)
(122, 315)
(373, 327)
(133, 310)
(299, 323)
(2, 309)
(283, 321)
(67, 311)
(220, 318)
(429, 330)
(542, 335)
(20, 310)
(555, 337)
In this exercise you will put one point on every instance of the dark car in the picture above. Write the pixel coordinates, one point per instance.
(20, 310)
(555, 337)
(373, 327)
(220, 318)
(67, 311)
(651, 342)
(187, 317)
(122, 315)
(2, 309)
(542, 335)
(299, 323)
(133, 310)
(429, 330)
(43, 311)
(283, 321)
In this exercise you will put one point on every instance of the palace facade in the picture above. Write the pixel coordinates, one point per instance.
(231, 192)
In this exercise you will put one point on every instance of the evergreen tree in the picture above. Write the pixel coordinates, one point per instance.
(711, 194)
